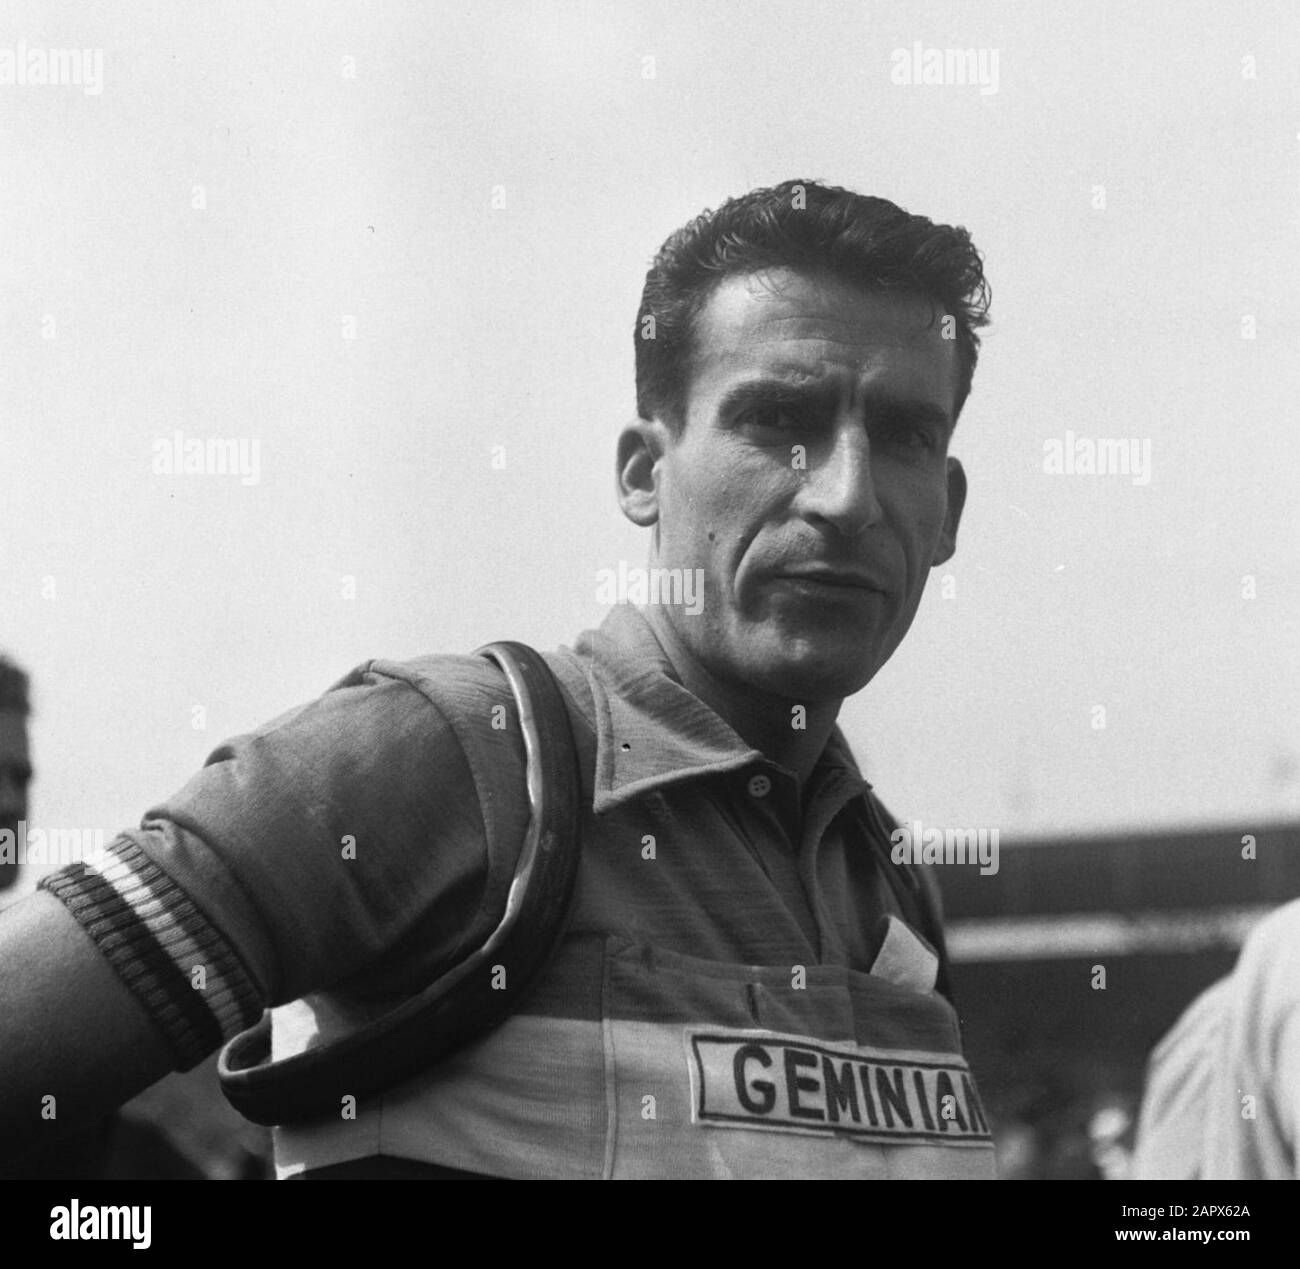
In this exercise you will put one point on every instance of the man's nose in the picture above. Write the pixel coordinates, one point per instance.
(840, 487)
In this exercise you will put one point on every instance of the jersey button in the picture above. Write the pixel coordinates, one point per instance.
(759, 786)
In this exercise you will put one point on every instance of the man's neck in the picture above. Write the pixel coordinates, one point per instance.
(763, 721)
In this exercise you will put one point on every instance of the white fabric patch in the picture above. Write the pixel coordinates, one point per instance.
(905, 959)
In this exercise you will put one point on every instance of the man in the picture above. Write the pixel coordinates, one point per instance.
(739, 991)
(1222, 1099)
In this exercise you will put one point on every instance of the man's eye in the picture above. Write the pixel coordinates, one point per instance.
(905, 436)
(774, 417)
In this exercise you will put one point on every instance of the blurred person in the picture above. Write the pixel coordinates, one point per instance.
(118, 1146)
(1222, 1099)
(1018, 1150)
(84, 1155)
(1110, 1130)
(15, 769)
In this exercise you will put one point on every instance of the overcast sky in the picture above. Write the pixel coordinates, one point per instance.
(376, 242)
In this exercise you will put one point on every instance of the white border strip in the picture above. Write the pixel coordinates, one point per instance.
(1082, 934)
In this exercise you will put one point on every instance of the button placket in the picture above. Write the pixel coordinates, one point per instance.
(830, 800)
(766, 805)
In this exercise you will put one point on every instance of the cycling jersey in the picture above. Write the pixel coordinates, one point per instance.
(736, 994)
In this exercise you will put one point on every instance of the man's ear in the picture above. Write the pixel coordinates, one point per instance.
(956, 501)
(641, 444)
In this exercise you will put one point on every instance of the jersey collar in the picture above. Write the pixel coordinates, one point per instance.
(652, 732)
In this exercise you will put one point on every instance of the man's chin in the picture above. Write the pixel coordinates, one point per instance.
(813, 674)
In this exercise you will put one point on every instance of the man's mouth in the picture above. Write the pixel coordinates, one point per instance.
(823, 577)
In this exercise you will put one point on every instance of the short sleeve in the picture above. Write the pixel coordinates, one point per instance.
(345, 845)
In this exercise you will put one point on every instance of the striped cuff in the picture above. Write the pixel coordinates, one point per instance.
(158, 941)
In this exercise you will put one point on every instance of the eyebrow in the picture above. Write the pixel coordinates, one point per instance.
(827, 395)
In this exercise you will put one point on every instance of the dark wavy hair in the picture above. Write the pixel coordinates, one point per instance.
(814, 228)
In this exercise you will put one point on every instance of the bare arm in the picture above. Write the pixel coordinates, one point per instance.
(69, 1029)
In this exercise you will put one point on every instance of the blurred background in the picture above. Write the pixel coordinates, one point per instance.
(394, 253)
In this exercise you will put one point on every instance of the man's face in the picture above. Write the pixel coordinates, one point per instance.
(811, 480)
(15, 772)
